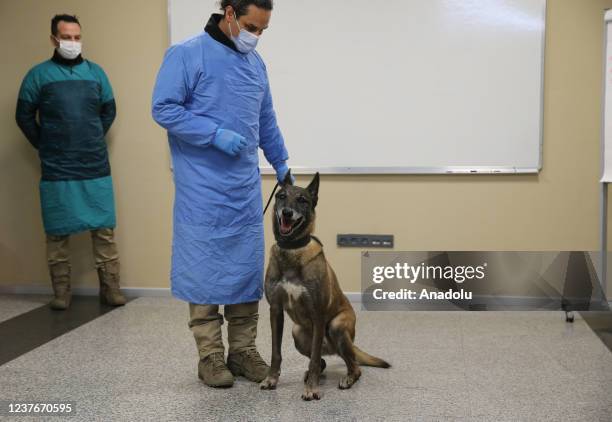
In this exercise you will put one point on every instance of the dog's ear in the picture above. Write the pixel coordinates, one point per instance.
(313, 189)
(287, 179)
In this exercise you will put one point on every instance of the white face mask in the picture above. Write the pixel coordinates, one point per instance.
(69, 49)
(245, 41)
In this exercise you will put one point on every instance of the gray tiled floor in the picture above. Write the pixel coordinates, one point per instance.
(139, 363)
(13, 305)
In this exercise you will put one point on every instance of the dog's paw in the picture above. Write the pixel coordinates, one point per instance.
(269, 383)
(347, 381)
(311, 394)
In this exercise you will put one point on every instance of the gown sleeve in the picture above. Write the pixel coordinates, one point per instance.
(27, 107)
(174, 84)
(108, 110)
(271, 139)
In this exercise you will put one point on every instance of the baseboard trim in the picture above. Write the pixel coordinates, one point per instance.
(40, 289)
(354, 297)
(132, 292)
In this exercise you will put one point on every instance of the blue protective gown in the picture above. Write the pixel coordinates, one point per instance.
(218, 240)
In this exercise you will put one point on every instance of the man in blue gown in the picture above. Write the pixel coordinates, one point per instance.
(213, 97)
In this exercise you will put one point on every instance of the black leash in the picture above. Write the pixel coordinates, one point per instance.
(270, 198)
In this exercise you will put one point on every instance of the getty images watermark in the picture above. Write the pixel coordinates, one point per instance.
(392, 280)
(414, 273)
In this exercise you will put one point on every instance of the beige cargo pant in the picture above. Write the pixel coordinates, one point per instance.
(205, 323)
(58, 252)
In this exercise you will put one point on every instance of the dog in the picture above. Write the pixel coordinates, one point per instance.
(300, 281)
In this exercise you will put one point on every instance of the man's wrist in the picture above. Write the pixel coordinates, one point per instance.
(213, 140)
(280, 166)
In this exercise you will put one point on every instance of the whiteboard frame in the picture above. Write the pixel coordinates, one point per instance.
(428, 170)
(542, 83)
(407, 170)
(603, 212)
(604, 91)
(169, 10)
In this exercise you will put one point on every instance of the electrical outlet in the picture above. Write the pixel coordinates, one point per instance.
(365, 240)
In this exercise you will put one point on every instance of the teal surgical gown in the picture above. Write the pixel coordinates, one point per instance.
(75, 106)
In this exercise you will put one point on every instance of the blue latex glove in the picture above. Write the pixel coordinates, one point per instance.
(281, 171)
(229, 142)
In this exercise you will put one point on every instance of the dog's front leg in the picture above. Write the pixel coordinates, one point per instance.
(311, 387)
(277, 321)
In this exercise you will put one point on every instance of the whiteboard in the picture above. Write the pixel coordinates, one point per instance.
(401, 86)
(607, 107)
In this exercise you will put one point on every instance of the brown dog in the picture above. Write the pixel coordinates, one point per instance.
(300, 281)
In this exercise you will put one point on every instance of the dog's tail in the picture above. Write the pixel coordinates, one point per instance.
(366, 359)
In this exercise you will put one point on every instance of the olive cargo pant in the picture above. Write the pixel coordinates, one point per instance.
(205, 323)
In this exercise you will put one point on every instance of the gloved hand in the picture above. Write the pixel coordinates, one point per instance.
(229, 142)
(281, 172)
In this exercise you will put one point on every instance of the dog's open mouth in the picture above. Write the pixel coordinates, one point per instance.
(287, 225)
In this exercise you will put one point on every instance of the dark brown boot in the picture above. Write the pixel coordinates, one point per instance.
(243, 358)
(213, 372)
(108, 274)
(60, 280)
(249, 364)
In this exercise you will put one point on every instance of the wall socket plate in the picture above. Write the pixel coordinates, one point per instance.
(365, 240)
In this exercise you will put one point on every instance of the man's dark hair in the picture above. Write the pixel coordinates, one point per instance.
(241, 6)
(65, 18)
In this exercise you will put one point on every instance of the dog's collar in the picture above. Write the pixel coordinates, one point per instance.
(293, 244)
(298, 243)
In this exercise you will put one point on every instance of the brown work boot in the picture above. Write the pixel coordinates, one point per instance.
(214, 373)
(243, 358)
(108, 274)
(60, 280)
(249, 364)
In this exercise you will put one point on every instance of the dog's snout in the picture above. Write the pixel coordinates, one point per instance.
(287, 212)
